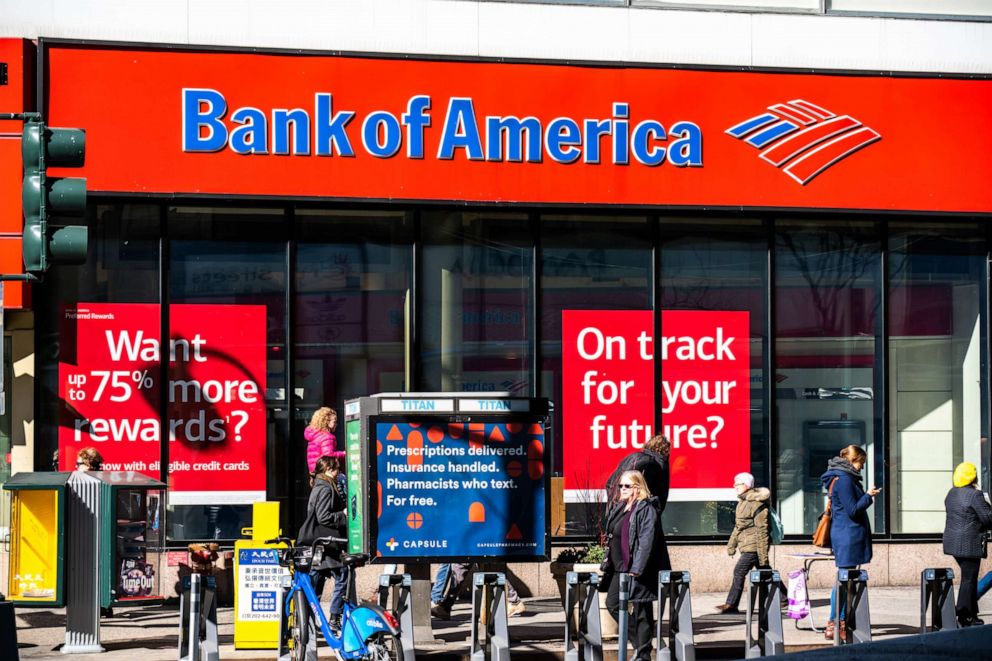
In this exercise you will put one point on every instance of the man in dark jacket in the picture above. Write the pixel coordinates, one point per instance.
(652, 462)
(968, 516)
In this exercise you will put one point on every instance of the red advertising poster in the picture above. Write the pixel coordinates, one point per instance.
(109, 386)
(609, 400)
(327, 126)
(607, 392)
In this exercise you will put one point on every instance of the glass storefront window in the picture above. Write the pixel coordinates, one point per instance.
(827, 322)
(720, 265)
(121, 267)
(233, 259)
(352, 317)
(587, 263)
(475, 303)
(938, 357)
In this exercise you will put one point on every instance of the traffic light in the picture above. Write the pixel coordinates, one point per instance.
(44, 197)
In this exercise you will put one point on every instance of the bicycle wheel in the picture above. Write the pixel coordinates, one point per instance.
(383, 647)
(299, 629)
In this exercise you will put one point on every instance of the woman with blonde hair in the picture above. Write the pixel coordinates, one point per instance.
(968, 516)
(637, 547)
(319, 434)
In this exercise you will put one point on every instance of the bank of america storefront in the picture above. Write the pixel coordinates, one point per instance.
(385, 225)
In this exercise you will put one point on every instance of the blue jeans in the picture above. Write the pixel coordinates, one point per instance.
(340, 576)
(440, 583)
(833, 598)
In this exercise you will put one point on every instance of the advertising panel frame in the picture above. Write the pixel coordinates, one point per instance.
(367, 411)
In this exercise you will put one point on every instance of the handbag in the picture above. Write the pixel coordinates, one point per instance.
(821, 536)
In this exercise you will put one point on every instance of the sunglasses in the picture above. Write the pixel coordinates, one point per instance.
(626, 486)
(80, 463)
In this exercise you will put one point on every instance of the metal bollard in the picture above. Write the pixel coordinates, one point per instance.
(766, 593)
(489, 595)
(852, 591)
(402, 607)
(283, 652)
(623, 620)
(198, 617)
(673, 589)
(8, 631)
(586, 628)
(937, 589)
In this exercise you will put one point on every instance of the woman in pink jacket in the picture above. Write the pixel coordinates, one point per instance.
(320, 437)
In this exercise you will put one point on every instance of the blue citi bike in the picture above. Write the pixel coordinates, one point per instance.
(368, 632)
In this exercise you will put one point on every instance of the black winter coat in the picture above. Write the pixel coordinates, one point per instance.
(648, 550)
(326, 517)
(656, 473)
(968, 514)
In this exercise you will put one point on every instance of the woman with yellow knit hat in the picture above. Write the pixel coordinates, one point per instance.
(968, 515)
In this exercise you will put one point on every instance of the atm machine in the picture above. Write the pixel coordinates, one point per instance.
(822, 440)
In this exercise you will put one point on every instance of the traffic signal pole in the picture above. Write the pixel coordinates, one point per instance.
(43, 197)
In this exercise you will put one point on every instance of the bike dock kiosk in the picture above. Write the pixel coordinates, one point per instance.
(673, 589)
(852, 592)
(937, 596)
(766, 593)
(583, 631)
(399, 585)
(198, 619)
(489, 598)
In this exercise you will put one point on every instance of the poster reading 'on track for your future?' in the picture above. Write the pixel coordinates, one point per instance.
(472, 490)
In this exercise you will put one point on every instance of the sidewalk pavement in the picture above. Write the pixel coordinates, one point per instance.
(150, 633)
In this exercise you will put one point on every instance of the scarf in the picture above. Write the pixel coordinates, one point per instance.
(844, 466)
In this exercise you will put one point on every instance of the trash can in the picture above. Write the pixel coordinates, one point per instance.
(37, 539)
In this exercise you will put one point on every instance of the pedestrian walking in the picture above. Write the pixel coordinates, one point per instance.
(636, 546)
(968, 516)
(320, 438)
(751, 536)
(652, 462)
(450, 581)
(326, 517)
(850, 531)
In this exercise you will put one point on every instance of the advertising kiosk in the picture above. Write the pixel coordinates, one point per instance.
(439, 477)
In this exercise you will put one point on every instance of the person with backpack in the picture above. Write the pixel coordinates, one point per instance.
(751, 535)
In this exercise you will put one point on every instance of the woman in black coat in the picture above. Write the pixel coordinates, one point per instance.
(968, 516)
(326, 517)
(637, 547)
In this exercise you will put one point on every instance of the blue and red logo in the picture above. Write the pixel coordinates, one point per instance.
(802, 139)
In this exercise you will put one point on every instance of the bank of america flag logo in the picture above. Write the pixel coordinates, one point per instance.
(802, 139)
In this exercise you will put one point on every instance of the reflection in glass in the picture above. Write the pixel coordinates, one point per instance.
(827, 281)
(352, 327)
(476, 302)
(587, 263)
(937, 366)
(234, 256)
(713, 265)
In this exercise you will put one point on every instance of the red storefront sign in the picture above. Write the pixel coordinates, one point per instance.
(373, 128)
(109, 380)
(608, 396)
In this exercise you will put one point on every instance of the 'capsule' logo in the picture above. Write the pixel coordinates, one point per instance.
(392, 544)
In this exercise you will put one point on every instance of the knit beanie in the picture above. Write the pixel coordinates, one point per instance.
(965, 474)
(744, 478)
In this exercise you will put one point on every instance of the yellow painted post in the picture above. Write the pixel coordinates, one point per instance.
(257, 580)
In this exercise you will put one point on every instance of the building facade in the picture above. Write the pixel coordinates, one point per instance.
(409, 196)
